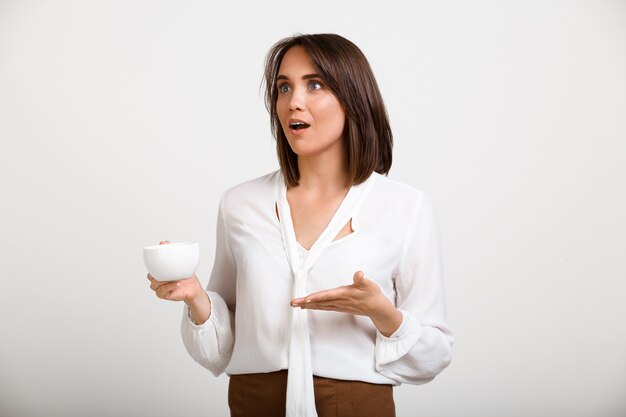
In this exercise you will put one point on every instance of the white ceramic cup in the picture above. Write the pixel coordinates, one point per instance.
(172, 261)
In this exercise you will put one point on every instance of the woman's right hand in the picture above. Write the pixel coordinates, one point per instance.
(188, 290)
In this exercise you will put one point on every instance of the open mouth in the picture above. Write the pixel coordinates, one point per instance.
(298, 125)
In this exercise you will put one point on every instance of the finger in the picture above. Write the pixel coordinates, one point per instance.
(296, 301)
(317, 306)
(339, 293)
(309, 297)
(359, 278)
(340, 307)
(154, 284)
(164, 295)
(164, 242)
(159, 284)
(165, 290)
(326, 306)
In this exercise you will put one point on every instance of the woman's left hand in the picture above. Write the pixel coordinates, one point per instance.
(363, 298)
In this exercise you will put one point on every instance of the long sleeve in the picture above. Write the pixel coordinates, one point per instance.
(211, 343)
(422, 346)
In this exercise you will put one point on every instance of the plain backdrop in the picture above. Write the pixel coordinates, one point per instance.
(122, 122)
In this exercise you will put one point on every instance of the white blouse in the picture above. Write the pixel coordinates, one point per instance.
(259, 267)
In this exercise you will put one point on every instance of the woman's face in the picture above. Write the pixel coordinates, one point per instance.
(309, 112)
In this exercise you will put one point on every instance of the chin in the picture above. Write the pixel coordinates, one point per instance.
(307, 151)
(302, 151)
(312, 147)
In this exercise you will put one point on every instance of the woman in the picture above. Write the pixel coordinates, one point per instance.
(326, 288)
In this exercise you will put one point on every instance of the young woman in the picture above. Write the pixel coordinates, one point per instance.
(326, 290)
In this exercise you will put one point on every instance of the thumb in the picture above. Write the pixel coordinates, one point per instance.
(164, 242)
(359, 278)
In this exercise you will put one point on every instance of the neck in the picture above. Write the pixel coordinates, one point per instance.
(323, 173)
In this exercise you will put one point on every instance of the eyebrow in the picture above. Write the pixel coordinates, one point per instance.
(304, 77)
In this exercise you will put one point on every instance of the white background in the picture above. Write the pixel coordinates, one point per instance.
(122, 122)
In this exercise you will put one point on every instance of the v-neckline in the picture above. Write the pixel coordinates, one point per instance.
(330, 221)
(346, 210)
(340, 209)
(302, 246)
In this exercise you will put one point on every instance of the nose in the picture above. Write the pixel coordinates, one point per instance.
(296, 101)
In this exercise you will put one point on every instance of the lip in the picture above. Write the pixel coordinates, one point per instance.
(299, 131)
(294, 120)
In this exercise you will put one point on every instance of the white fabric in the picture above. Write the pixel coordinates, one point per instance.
(259, 267)
(300, 394)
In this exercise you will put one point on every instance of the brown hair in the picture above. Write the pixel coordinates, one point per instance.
(343, 67)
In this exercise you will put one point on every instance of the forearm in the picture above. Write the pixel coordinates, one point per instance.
(386, 317)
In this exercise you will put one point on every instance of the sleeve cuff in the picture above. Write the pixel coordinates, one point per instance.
(399, 343)
(401, 331)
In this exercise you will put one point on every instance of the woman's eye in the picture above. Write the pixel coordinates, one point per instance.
(315, 85)
(283, 88)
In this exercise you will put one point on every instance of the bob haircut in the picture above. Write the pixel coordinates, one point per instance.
(367, 136)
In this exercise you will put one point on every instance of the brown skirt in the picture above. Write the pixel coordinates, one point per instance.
(264, 395)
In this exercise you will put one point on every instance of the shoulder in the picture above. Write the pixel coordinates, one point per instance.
(397, 193)
(407, 207)
(251, 190)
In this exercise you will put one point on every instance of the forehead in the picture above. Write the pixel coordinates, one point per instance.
(295, 61)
